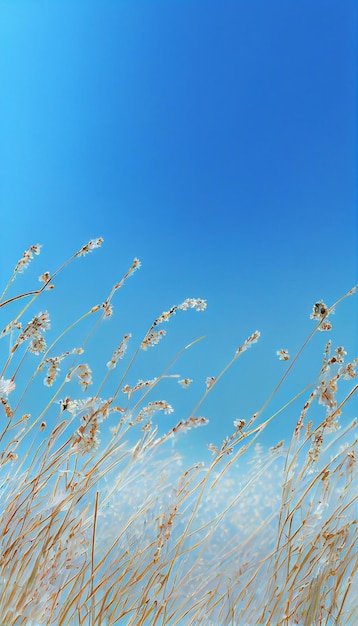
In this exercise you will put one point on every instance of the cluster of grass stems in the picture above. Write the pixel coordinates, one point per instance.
(121, 532)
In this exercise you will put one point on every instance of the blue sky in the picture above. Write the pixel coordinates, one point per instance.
(215, 141)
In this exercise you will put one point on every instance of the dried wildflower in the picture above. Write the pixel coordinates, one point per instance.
(348, 371)
(135, 266)
(119, 352)
(248, 342)
(277, 449)
(10, 457)
(316, 446)
(89, 408)
(327, 393)
(40, 323)
(325, 326)
(6, 386)
(153, 407)
(34, 331)
(227, 445)
(152, 339)
(225, 448)
(91, 245)
(209, 382)
(108, 309)
(139, 385)
(326, 354)
(214, 449)
(165, 528)
(341, 353)
(37, 345)
(185, 425)
(319, 311)
(86, 438)
(331, 423)
(7, 408)
(350, 461)
(283, 355)
(193, 303)
(84, 374)
(28, 255)
(65, 403)
(307, 405)
(239, 424)
(165, 316)
(54, 365)
(308, 429)
(45, 277)
(185, 382)
(76, 407)
(9, 328)
(36, 249)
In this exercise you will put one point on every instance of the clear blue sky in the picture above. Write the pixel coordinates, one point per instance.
(213, 139)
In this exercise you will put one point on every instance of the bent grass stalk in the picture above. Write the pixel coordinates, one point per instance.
(98, 533)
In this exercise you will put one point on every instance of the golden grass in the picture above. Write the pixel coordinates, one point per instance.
(121, 532)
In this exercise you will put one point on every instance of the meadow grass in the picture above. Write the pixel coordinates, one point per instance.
(122, 531)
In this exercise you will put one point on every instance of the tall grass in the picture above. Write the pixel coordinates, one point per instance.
(120, 531)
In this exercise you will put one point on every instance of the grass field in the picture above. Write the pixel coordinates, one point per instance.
(117, 529)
